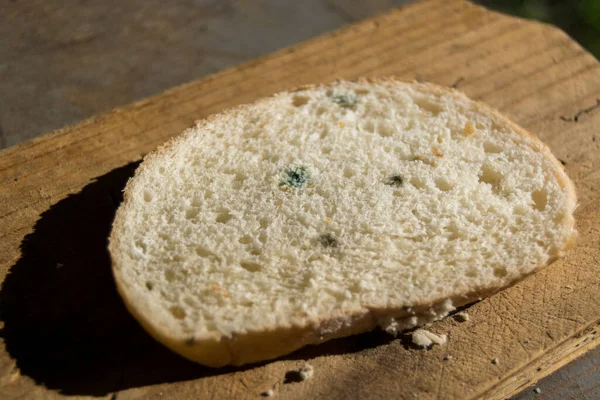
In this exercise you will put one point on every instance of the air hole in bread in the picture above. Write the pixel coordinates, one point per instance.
(196, 201)
(190, 302)
(348, 172)
(385, 129)
(369, 126)
(147, 196)
(141, 246)
(490, 176)
(264, 222)
(500, 272)
(256, 251)
(236, 185)
(540, 199)
(245, 239)
(203, 252)
(443, 184)
(250, 266)
(324, 132)
(177, 312)
(491, 147)
(240, 177)
(262, 237)
(416, 182)
(453, 233)
(427, 106)
(192, 212)
(149, 285)
(402, 153)
(170, 275)
(224, 216)
(320, 111)
(314, 257)
(326, 150)
(299, 101)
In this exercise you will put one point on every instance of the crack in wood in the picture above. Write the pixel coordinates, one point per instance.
(457, 82)
(575, 118)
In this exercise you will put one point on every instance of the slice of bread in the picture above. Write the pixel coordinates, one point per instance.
(330, 210)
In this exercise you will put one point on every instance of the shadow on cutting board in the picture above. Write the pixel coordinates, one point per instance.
(64, 322)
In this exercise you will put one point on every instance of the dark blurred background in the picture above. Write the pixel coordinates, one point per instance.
(579, 18)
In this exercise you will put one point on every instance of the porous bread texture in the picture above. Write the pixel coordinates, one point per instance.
(328, 210)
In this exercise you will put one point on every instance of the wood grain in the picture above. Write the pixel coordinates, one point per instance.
(65, 331)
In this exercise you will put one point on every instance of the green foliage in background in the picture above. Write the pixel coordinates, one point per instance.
(579, 18)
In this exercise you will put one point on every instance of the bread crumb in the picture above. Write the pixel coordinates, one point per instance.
(424, 338)
(447, 357)
(328, 220)
(537, 390)
(495, 361)
(468, 129)
(306, 372)
(439, 139)
(267, 393)
(341, 124)
(461, 316)
(278, 202)
(437, 151)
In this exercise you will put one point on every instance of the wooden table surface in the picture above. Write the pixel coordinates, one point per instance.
(62, 62)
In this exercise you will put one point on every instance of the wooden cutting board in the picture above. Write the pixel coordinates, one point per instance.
(65, 332)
